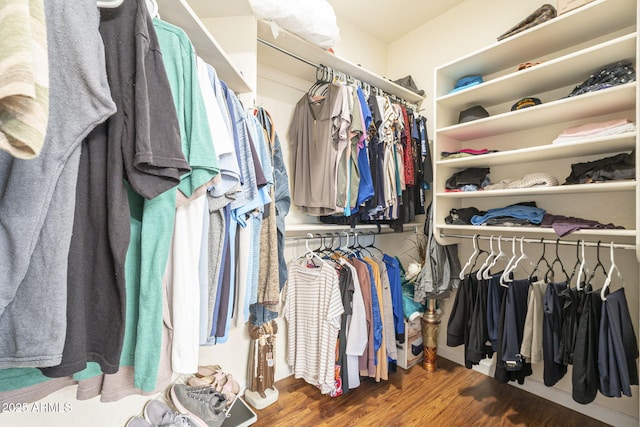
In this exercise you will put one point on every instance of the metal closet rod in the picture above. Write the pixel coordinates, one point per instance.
(547, 241)
(324, 67)
(311, 236)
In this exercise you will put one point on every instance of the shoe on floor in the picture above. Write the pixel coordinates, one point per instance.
(205, 405)
(160, 414)
(138, 422)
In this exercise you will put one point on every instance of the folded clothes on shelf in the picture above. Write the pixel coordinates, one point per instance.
(462, 216)
(611, 75)
(536, 179)
(618, 167)
(520, 211)
(470, 179)
(595, 130)
(564, 225)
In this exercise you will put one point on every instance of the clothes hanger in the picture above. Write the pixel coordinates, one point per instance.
(486, 274)
(549, 275)
(476, 252)
(488, 260)
(152, 6)
(607, 282)
(542, 258)
(576, 265)
(512, 260)
(372, 245)
(110, 4)
(310, 254)
(518, 263)
(598, 264)
(357, 247)
(345, 249)
(583, 267)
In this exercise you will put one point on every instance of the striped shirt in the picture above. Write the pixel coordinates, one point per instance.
(312, 309)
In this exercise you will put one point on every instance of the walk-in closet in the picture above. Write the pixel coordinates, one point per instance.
(320, 212)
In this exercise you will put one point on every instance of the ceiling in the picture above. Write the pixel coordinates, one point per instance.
(389, 20)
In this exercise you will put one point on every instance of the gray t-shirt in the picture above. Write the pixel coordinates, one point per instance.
(38, 195)
(318, 132)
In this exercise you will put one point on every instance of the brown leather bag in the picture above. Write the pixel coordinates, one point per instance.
(540, 15)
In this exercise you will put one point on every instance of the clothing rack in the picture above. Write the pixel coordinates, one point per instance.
(549, 241)
(335, 76)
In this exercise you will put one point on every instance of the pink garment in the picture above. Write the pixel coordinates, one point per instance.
(591, 128)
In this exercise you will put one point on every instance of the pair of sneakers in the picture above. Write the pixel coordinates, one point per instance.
(204, 404)
(158, 414)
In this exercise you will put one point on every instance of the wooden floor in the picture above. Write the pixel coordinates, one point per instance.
(452, 396)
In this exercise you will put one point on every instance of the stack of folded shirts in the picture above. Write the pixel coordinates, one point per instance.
(595, 130)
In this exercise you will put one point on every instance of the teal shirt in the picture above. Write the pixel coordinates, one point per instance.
(197, 144)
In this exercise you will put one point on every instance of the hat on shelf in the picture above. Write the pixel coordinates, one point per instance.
(408, 83)
(525, 103)
(474, 113)
(467, 82)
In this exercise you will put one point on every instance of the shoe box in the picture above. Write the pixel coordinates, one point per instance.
(407, 356)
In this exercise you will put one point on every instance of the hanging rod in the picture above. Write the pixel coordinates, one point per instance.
(321, 67)
(291, 54)
(336, 233)
(547, 241)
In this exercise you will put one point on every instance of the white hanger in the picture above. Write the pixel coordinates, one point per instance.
(345, 248)
(582, 270)
(501, 254)
(110, 4)
(512, 260)
(310, 253)
(506, 276)
(613, 268)
(152, 6)
(476, 252)
(488, 260)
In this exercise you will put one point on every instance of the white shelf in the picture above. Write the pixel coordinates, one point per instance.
(608, 187)
(571, 69)
(587, 147)
(180, 14)
(572, 28)
(303, 49)
(570, 47)
(614, 99)
(487, 229)
(221, 8)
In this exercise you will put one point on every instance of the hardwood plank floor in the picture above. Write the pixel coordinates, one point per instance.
(451, 396)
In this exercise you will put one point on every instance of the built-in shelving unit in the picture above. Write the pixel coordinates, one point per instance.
(569, 48)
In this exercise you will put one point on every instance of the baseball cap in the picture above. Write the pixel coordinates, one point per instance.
(474, 113)
(525, 103)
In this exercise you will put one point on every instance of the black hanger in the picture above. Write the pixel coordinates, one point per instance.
(559, 261)
(372, 244)
(542, 258)
(598, 264)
